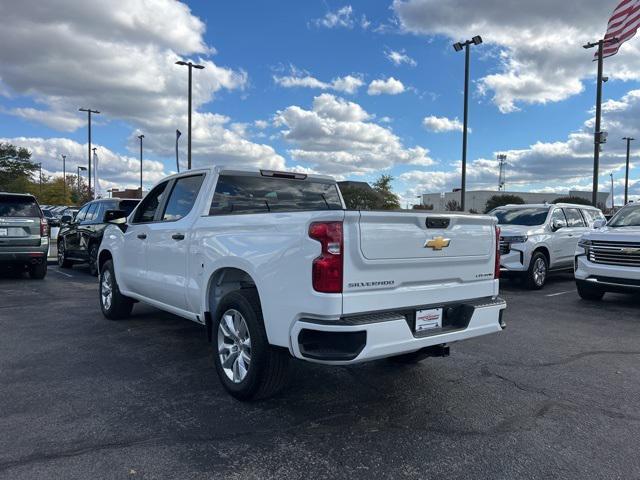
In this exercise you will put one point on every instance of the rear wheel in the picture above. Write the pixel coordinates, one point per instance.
(588, 292)
(62, 256)
(536, 276)
(247, 365)
(113, 304)
(39, 270)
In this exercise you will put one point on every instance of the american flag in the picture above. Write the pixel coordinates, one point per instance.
(623, 25)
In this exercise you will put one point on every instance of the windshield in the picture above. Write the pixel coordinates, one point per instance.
(521, 216)
(627, 217)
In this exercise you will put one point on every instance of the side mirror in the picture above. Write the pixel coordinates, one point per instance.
(66, 219)
(556, 225)
(118, 217)
(601, 222)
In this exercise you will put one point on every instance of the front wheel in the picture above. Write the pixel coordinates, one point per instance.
(114, 305)
(247, 365)
(536, 276)
(588, 292)
(62, 256)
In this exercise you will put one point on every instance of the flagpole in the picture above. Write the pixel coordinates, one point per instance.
(178, 133)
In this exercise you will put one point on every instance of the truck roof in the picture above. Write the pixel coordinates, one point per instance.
(547, 205)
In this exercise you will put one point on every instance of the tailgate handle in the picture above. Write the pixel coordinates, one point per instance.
(438, 222)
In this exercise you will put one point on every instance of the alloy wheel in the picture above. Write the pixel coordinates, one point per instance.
(234, 345)
(539, 271)
(106, 289)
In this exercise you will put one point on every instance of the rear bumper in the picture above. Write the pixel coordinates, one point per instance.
(24, 254)
(360, 338)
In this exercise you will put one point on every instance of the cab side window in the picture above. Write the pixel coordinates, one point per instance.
(574, 219)
(558, 218)
(91, 213)
(183, 196)
(147, 209)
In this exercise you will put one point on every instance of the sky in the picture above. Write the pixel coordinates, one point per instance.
(352, 89)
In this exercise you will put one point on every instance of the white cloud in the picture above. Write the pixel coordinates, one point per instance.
(442, 124)
(338, 137)
(343, 17)
(399, 57)
(538, 44)
(299, 78)
(66, 55)
(390, 86)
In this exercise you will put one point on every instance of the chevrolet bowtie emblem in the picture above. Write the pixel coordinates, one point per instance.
(630, 251)
(437, 243)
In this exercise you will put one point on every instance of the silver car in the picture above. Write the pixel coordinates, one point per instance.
(24, 233)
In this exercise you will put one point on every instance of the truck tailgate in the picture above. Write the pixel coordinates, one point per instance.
(397, 259)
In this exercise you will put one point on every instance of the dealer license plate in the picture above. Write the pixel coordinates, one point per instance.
(428, 319)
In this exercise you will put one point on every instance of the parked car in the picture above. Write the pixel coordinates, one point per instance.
(80, 235)
(537, 239)
(608, 259)
(52, 219)
(24, 233)
(274, 266)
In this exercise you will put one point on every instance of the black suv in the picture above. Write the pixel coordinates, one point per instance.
(80, 236)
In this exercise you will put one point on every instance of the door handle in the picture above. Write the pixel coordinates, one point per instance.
(142, 236)
(178, 236)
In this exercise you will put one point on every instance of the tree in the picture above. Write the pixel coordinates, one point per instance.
(500, 200)
(578, 200)
(357, 198)
(423, 207)
(16, 168)
(388, 199)
(452, 206)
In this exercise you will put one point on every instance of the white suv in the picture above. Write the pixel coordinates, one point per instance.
(538, 238)
(608, 258)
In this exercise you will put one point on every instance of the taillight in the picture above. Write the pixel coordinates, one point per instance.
(496, 271)
(44, 227)
(327, 268)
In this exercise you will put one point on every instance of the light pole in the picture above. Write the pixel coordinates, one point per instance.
(477, 40)
(64, 177)
(141, 137)
(598, 136)
(89, 112)
(613, 198)
(502, 158)
(178, 133)
(626, 175)
(191, 66)
(78, 178)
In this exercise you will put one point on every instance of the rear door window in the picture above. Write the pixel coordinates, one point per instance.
(183, 196)
(241, 194)
(91, 213)
(82, 213)
(18, 206)
(574, 219)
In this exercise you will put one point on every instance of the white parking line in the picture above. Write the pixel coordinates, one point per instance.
(559, 293)
(62, 273)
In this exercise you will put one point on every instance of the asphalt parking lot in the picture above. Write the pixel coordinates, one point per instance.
(554, 396)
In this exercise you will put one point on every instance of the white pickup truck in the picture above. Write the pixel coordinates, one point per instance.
(274, 266)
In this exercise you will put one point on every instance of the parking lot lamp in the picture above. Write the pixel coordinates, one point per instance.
(626, 175)
(477, 40)
(191, 66)
(89, 112)
(140, 137)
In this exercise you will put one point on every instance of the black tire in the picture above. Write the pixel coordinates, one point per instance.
(119, 306)
(268, 369)
(62, 256)
(588, 292)
(39, 270)
(93, 259)
(536, 275)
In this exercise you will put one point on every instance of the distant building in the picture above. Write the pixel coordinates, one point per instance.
(477, 199)
(126, 193)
